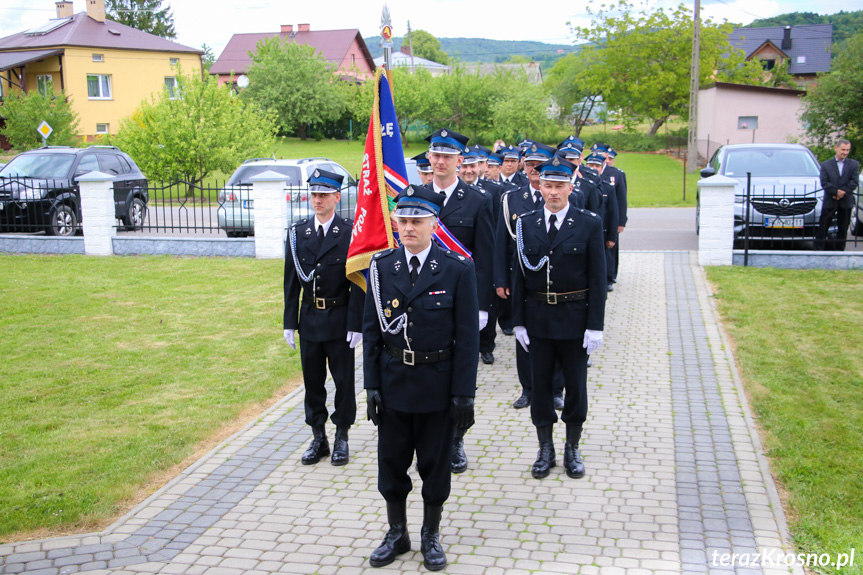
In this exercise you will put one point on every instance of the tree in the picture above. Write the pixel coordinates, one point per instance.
(207, 59)
(205, 129)
(297, 83)
(574, 90)
(24, 113)
(521, 113)
(146, 15)
(642, 59)
(427, 46)
(832, 107)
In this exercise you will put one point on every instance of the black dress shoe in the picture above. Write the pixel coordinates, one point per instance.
(318, 448)
(522, 402)
(459, 457)
(572, 461)
(610, 287)
(558, 402)
(434, 558)
(508, 332)
(487, 357)
(341, 453)
(396, 541)
(545, 456)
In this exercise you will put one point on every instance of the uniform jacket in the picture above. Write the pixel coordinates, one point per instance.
(442, 313)
(494, 190)
(831, 181)
(328, 261)
(617, 179)
(577, 259)
(519, 179)
(468, 215)
(601, 200)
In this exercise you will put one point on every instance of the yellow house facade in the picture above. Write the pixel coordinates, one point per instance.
(106, 69)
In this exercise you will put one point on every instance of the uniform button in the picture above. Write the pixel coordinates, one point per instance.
(437, 304)
(549, 253)
(550, 268)
(410, 340)
(319, 265)
(411, 324)
(550, 282)
(409, 309)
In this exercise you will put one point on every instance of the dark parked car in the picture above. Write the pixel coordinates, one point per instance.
(39, 188)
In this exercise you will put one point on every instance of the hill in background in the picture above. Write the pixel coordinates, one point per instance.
(488, 51)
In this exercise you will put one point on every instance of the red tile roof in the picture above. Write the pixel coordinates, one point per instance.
(87, 32)
(332, 44)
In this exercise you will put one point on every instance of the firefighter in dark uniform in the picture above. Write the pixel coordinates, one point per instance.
(558, 308)
(492, 172)
(617, 177)
(329, 318)
(420, 340)
(509, 172)
(467, 214)
(424, 169)
(608, 212)
(514, 203)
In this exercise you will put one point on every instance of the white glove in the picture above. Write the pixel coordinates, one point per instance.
(521, 336)
(289, 337)
(483, 320)
(592, 339)
(354, 339)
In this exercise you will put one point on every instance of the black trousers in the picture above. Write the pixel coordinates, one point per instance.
(609, 263)
(572, 358)
(843, 217)
(525, 373)
(429, 435)
(489, 332)
(504, 313)
(616, 251)
(314, 356)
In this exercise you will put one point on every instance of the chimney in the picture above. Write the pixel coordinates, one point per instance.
(786, 38)
(64, 9)
(287, 28)
(96, 10)
(302, 27)
(405, 49)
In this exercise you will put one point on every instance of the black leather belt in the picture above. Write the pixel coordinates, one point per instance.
(325, 302)
(555, 298)
(414, 357)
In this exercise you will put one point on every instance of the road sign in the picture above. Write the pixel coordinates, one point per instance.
(44, 129)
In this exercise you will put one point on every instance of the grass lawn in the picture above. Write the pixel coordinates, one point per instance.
(797, 340)
(118, 372)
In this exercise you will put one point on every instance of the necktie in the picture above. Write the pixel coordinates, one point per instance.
(415, 269)
(320, 234)
(537, 199)
(552, 229)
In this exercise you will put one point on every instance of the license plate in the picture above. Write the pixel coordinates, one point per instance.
(248, 204)
(2, 205)
(783, 222)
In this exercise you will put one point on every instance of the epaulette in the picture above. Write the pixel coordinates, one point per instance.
(475, 188)
(456, 257)
(383, 253)
(530, 213)
(586, 212)
(300, 222)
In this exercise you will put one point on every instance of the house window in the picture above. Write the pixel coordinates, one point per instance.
(768, 64)
(353, 59)
(174, 61)
(98, 87)
(747, 122)
(98, 57)
(801, 59)
(172, 87)
(101, 128)
(45, 85)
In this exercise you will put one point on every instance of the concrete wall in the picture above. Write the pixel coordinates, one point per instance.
(795, 260)
(719, 108)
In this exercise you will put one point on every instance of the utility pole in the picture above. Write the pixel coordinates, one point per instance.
(411, 46)
(692, 144)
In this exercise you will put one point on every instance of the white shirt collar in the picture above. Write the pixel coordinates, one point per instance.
(420, 256)
(561, 215)
(448, 190)
(326, 224)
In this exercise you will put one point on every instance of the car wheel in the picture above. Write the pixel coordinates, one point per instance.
(237, 234)
(136, 215)
(63, 221)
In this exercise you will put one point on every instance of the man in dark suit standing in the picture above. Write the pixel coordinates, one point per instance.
(559, 308)
(330, 315)
(420, 340)
(467, 214)
(839, 178)
(617, 178)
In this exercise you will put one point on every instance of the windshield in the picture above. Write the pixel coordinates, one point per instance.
(770, 163)
(47, 166)
(244, 173)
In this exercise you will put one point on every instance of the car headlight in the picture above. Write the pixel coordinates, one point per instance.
(30, 194)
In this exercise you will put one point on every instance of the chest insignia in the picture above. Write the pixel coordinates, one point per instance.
(397, 266)
(526, 195)
(433, 265)
(336, 230)
(308, 231)
(395, 303)
(514, 217)
(460, 194)
(388, 312)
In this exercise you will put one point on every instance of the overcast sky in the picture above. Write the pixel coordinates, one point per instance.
(214, 21)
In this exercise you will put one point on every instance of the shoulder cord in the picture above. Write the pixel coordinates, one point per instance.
(504, 200)
(398, 324)
(300, 273)
(525, 263)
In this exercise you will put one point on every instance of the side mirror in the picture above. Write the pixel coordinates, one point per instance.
(707, 172)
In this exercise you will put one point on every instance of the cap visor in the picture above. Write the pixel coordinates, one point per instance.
(412, 212)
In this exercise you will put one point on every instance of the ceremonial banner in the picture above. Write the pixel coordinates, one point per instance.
(383, 177)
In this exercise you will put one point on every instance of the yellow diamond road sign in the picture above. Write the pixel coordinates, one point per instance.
(44, 129)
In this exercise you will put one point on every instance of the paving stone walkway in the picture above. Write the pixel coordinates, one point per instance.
(676, 474)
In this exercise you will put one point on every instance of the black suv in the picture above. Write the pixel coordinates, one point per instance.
(39, 188)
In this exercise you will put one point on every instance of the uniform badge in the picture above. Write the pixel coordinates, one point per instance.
(611, 179)
(317, 174)
(427, 155)
(335, 229)
(526, 195)
(395, 303)
(397, 265)
(514, 217)
(443, 133)
(461, 258)
(433, 265)
(533, 148)
(460, 194)
(555, 162)
(410, 191)
(388, 312)
(308, 231)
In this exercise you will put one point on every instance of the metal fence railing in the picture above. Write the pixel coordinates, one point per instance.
(787, 217)
(30, 205)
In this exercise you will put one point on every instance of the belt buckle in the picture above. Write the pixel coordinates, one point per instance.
(408, 357)
(321, 303)
(551, 298)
